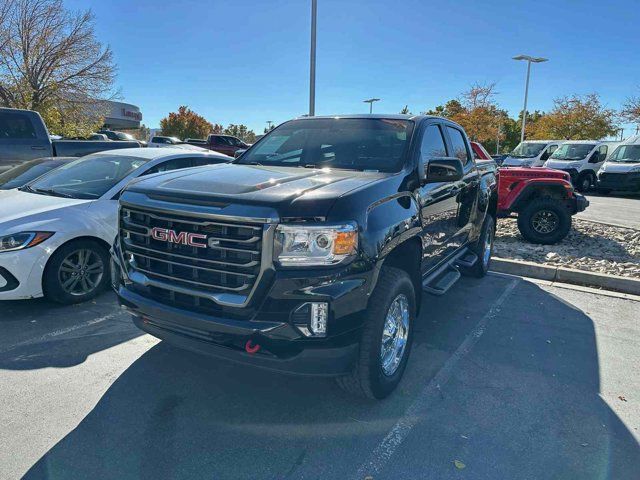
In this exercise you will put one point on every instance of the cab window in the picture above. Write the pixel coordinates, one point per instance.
(433, 143)
(459, 145)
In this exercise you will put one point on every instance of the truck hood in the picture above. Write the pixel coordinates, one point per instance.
(24, 208)
(556, 163)
(291, 192)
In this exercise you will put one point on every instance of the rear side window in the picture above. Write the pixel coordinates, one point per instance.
(16, 126)
(459, 145)
(175, 164)
(433, 143)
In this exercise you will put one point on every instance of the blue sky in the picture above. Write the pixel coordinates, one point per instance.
(246, 61)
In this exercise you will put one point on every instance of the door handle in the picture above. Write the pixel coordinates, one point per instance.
(36, 147)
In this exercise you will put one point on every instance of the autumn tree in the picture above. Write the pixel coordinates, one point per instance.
(242, 132)
(51, 62)
(185, 123)
(631, 110)
(576, 118)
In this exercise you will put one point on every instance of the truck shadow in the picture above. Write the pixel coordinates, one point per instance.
(39, 334)
(528, 405)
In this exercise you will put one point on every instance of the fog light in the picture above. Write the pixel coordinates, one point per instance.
(311, 319)
(319, 313)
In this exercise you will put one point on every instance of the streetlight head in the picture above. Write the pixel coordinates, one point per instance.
(529, 58)
(371, 100)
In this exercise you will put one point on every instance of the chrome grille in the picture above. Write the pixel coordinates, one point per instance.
(229, 264)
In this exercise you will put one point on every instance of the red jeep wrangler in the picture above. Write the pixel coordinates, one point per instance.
(543, 198)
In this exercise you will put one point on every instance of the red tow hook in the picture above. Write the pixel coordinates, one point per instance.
(250, 347)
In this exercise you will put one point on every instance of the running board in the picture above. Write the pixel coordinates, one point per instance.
(440, 281)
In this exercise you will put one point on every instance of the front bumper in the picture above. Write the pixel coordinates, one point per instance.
(268, 321)
(226, 339)
(21, 272)
(581, 203)
(624, 182)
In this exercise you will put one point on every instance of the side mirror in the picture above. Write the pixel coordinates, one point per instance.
(442, 170)
(239, 152)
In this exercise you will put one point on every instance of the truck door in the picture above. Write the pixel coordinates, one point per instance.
(437, 201)
(467, 189)
(21, 138)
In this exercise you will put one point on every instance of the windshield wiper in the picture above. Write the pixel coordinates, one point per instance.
(51, 191)
(26, 188)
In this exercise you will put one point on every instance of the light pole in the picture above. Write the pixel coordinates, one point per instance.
(312, 60)
(269, 123)
(529, 60)
(370, 102)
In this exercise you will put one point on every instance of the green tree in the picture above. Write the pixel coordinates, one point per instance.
(241, 131)
(576, 118)
(185, 123)
(51, 62)
(631, 110)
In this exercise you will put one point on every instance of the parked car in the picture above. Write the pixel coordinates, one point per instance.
(531, 153)
(172, 142)
(28, 171)
(542, 199)
(98, 136)
(198, 142)
(157, 140)
(226, 144)
(621, 171)
(24, 136)
(56, 231)
(581, 159)
(311, 252)
(122, 136)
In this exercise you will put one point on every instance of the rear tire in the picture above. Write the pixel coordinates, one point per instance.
(76, 272)
(380, 363)
(585, 182)
(545, 221)
(483, 248)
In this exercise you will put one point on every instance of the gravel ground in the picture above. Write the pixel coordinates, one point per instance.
(589, 246)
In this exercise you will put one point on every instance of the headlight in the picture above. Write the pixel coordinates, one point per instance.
(19, 241)
(315, 245)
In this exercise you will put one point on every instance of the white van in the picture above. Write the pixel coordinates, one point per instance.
(581, 159)
(621, 171)
(531, 153)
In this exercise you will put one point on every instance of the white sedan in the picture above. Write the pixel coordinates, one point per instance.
(55, 232)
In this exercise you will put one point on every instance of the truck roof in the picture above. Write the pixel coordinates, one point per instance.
(378, 116)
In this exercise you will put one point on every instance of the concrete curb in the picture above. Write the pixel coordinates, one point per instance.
(608, 224)
(566, 275)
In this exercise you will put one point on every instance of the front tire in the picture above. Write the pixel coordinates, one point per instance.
(585, 182)
(545, 221)
(76, 272)
(386, 338)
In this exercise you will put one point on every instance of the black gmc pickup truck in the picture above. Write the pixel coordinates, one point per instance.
(309, 253)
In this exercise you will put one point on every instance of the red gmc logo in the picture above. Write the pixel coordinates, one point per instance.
(182, 238)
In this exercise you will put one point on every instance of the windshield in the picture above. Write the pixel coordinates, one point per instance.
(22, 174)
(528, 150)
(626, 154)
(86, 178)
(572, 151)
(344, 143)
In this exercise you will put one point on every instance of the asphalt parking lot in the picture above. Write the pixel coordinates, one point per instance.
(507, 379)
(616, 209)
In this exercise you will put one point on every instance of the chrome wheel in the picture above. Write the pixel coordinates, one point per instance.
(545, 221)
(81, 272)
(395, 335)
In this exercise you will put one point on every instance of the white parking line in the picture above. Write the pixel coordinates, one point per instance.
(62, 331)
(385, 450)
